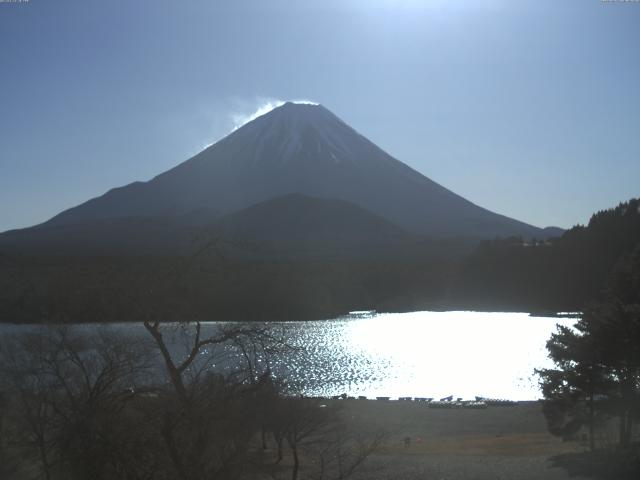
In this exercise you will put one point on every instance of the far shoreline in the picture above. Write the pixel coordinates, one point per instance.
(342, 316)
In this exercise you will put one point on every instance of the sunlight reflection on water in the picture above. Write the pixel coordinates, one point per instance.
(417, 354)
(423, 354)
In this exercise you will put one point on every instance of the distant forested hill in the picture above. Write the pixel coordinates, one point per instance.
(119, 289)
(229, 282)
(561, 274)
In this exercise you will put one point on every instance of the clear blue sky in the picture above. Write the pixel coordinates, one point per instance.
(528, 108)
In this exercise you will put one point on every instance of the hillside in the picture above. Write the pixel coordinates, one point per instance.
(563, 274)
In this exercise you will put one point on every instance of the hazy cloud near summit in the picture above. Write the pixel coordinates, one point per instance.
(227, 118)
(265, 105)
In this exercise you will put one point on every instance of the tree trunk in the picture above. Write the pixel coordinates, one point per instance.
(591, 420)
(169, 441)
(624, 434)
(174, 373)
(296, 464)
(279, 442)
(629, 428)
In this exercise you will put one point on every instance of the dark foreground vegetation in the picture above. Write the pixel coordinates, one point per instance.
(594, 390)
(110, 407)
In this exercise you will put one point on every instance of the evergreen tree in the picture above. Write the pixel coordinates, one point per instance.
(597, 372)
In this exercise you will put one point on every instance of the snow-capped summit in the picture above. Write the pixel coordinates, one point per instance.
(295, 130)
(305, 149)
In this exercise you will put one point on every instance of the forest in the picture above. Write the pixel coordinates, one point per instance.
(562, 274)
(213, 281)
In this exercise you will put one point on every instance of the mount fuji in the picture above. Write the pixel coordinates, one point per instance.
(300, 149)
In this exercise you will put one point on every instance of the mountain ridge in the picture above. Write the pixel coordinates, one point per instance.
(292, 223)
(304, 149)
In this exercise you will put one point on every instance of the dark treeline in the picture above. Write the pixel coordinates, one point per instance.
(105, 406)
(113, 289)
(558, 275)
(224, 280)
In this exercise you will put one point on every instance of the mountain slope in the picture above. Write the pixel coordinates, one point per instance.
(303, 149)
(299, 218)
(121, 235)
(296, 224)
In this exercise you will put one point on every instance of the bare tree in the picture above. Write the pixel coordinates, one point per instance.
(93, 406)
(69, 393)
(342, 450)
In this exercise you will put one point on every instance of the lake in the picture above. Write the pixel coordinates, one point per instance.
(417, 354)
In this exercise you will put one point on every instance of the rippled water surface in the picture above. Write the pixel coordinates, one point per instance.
(425, 354)
(419, 354)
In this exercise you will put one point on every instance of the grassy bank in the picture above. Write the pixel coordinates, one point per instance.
(493, 443)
